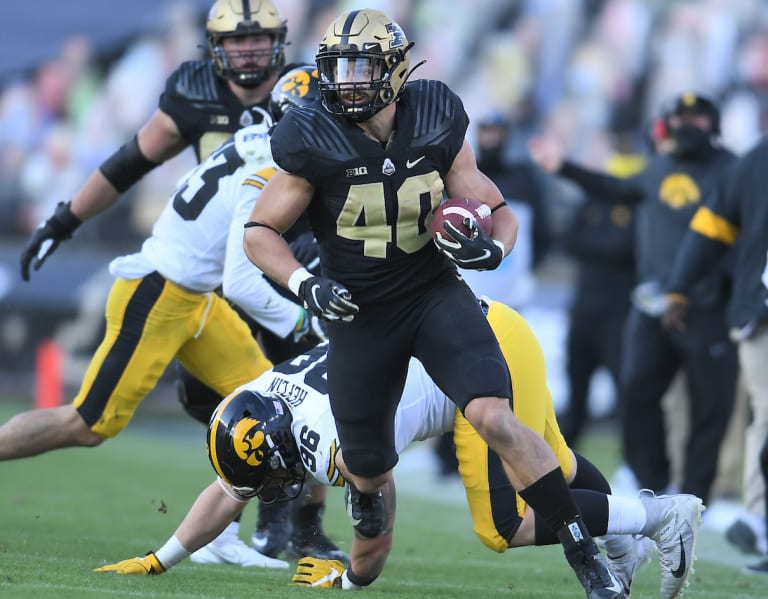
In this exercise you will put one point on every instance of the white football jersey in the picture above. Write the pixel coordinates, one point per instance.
(424, 411)
(197, 242)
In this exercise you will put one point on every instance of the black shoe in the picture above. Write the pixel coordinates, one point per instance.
(314, 543)
(740, 535)
(760, 568)
(598, 581)
(309, 539)
(273, 528)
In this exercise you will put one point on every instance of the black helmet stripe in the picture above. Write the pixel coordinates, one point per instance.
(247, 10)
(348, 26)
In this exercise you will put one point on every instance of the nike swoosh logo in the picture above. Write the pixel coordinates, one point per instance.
(259, 543)
(681, 569)
(483, 256)
(409, 164)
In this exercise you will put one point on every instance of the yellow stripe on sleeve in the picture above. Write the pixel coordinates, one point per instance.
(714, 226)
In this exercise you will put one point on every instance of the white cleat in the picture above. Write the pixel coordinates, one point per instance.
(675, 520)
(626, 566)
(228, 548)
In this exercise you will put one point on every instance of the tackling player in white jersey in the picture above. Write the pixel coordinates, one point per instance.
(271, 433)
(163, 305)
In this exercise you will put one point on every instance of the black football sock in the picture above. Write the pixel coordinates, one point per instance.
(594, 510)
(550, 498)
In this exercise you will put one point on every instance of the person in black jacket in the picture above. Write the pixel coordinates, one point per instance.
(735, 222)
(668, 193)
(601, 240)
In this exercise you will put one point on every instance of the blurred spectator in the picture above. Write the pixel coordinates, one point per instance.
(736, 217)
(667, 194)
(601, 240)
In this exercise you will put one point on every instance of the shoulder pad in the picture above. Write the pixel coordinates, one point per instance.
(321, 133)
(194, 80)
(438, 110)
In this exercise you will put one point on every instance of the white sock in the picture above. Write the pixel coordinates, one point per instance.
(626, 515)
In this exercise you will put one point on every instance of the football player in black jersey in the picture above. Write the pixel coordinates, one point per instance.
(370, 163)
(204, 103)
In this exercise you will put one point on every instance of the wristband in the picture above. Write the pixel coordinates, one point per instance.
(171, 553)
(347, 584)
(297, 277)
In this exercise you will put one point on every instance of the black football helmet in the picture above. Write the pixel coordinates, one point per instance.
(362, 51)
(237, 18)
(297, 87)
(251, 446)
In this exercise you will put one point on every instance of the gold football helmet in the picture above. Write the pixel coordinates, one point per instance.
(251, 446)
(363, 64)
(239, 18)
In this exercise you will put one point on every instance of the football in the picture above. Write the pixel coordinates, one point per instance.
(455, 210)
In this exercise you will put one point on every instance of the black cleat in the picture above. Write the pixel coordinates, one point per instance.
(597, 579)
(313, 542)
(273, 528)
(759, 568)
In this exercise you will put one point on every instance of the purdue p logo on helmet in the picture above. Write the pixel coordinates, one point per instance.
(251, 446)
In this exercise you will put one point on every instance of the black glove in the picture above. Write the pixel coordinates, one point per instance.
(47, 237)
(304, 248)
(327, 299)
(478, 251)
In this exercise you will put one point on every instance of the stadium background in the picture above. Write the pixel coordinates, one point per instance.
(77, 79)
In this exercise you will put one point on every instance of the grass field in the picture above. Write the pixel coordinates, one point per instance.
(64, 513)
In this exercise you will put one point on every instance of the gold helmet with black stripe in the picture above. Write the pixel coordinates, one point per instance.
(251, 446)
(240, 18)
(363, 63)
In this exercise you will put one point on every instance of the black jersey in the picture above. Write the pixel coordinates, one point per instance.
(669, 191)
(204, 108)
(736, 217)
(372, 207)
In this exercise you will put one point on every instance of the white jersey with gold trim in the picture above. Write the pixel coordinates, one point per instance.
(197, 242)
(424, 411)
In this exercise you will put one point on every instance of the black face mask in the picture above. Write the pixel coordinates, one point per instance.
(691, 141)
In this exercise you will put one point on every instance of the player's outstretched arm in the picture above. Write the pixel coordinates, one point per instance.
(212, 511)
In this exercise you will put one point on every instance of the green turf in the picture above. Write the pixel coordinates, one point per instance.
(64, 513)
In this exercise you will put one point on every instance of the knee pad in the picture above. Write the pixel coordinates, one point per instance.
(197, 400)
(367, 511)
(487, 378)
(369, 463)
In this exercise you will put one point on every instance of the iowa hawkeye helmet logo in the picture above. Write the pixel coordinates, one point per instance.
(248, 441)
